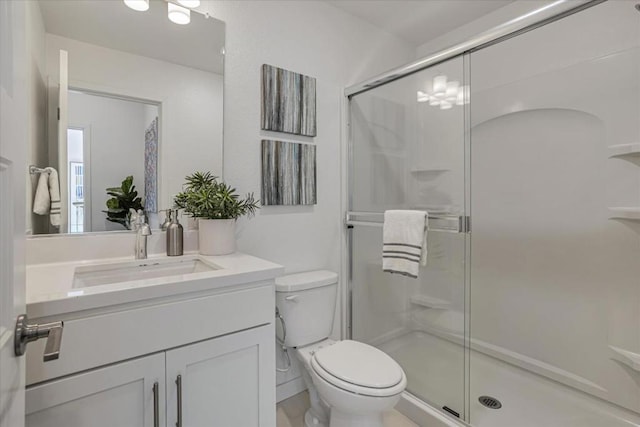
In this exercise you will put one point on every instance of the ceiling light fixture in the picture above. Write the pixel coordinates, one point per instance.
(139, 5)
(178, 14)
(189, 3)
(445, 94)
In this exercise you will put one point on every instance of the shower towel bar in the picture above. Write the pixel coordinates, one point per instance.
(437, 222)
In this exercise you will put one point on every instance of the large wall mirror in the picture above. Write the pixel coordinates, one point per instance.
(131, 99)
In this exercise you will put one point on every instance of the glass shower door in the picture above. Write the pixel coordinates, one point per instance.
(408, 152)
(556, 233)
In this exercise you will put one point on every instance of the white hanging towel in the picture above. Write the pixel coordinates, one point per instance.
(47, 198)
(404, 239)
(42, 199)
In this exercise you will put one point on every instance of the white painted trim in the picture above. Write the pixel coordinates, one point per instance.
(86, 160)
(290, 388)
(62, 123)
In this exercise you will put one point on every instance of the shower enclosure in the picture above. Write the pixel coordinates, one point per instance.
(525, 151)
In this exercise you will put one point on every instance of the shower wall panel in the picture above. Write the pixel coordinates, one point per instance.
(555, 277)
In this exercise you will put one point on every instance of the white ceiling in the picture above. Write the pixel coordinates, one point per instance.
(419, 21)
(113, 25)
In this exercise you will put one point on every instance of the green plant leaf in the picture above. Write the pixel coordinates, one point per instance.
(122, 199)
(126, 184)
(204, 197)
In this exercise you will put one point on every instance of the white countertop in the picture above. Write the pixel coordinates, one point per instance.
(50, 288)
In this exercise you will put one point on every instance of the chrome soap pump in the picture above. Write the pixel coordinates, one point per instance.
(167, 219)
(175, 236)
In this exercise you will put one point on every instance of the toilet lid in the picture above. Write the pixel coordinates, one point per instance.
(360, 364)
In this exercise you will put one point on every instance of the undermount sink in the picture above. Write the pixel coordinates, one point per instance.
(103, 274)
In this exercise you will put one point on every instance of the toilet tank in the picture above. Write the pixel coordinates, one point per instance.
(307, 303)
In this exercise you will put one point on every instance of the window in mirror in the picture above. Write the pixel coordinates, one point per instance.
(75, 160)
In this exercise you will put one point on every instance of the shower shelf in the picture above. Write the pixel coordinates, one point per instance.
(627, 357)
(625, 213)
(429, 302)
(433, 171)
(632, 150)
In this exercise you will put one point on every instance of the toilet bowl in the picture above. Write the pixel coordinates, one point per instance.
(356, 381)
(351, 384)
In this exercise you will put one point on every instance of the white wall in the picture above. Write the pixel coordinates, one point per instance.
(37, 146)
(190, 112)
(316, 39)
(115, 129)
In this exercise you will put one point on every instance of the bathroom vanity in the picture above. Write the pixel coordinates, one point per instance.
(159, 342)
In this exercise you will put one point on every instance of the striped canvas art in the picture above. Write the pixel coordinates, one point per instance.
(288, 101)
(288, 173)
(151, 167)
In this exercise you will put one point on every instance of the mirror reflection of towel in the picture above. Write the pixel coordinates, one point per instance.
(47, 198)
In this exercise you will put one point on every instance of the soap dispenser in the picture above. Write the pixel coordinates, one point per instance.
(175, 237)
(167, 219)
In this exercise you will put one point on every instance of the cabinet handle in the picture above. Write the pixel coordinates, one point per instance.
(179, 384)
(156, 405)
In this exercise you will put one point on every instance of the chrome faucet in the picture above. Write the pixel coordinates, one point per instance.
(142, 230)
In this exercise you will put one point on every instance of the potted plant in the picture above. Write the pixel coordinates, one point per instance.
(216, 206)
(123, 200)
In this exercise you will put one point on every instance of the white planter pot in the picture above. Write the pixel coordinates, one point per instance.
(217, 236)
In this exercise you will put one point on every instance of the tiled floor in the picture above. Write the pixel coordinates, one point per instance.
(290, 413)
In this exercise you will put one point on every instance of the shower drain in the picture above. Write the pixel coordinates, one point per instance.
(490, 402)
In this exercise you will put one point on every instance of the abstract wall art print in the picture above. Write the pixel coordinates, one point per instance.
(288, 173)
(151, 167)
(288, 101)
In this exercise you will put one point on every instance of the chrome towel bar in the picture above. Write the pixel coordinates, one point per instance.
(437, 222)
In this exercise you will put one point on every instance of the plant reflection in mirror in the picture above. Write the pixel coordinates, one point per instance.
(123, 199)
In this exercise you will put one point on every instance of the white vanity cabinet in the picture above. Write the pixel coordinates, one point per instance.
(206, 340)
(118, 395)
(224, 381)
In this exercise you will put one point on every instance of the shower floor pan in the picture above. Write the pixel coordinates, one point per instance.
(434, 369)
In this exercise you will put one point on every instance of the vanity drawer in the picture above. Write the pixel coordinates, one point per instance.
(99, 340)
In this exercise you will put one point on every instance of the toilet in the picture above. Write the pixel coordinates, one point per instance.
(351, 384)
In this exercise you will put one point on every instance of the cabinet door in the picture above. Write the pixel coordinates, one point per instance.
(227, 381)
(120, 395)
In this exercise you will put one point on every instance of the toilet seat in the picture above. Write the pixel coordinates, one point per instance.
(359, 368)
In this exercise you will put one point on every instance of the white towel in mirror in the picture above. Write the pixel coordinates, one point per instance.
(47, 198)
